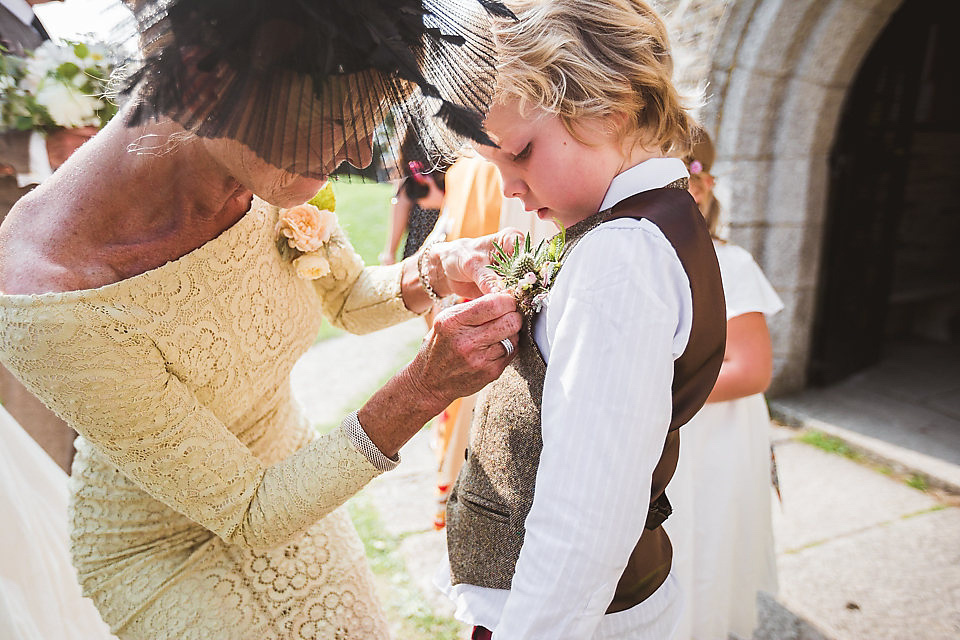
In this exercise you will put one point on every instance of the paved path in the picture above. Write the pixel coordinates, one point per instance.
(861, 555)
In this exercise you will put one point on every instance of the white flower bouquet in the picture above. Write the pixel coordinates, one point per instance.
(57, 85)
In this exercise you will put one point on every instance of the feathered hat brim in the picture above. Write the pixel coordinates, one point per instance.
(300, 81)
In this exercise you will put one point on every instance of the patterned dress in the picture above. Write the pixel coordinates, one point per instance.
(420, 224)
(202, 504)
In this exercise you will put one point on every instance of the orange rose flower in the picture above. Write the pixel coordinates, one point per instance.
(306, 227)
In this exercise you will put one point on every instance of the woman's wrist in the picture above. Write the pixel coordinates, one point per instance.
(422, 276)
(361, 440)
(398, 410)
(415, 298)
(425, 266)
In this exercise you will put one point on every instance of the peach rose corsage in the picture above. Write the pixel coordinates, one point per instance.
(303, 230)
(306, 227)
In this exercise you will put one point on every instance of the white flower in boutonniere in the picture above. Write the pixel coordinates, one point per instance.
(527, 273)
(303, 231)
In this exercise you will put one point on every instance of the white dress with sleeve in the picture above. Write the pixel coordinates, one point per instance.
(720, 528)
(202, 504)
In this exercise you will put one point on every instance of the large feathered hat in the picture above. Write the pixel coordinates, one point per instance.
(298, 80)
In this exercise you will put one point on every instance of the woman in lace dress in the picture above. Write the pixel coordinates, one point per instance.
(148, 300)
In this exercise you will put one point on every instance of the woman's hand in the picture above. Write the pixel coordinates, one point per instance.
(460, 266)
(461, 354)
(463, 351)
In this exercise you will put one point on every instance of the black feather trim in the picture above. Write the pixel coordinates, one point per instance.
(291, 78)
(498, 9)
(465, 122)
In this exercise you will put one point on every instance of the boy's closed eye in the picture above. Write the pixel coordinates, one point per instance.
(524, 154)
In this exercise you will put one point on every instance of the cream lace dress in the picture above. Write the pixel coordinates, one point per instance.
(202, 504)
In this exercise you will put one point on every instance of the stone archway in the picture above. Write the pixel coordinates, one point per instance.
(779, 71)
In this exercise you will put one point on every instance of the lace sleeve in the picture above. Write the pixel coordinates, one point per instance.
(111, 384)
(357, 298)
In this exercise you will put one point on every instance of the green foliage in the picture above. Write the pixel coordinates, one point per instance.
(362, 209)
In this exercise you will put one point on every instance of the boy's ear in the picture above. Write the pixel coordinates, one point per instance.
(619, 122)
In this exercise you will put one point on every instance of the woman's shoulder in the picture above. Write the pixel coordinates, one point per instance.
(732, 253)
(744, 284)
(736, 262)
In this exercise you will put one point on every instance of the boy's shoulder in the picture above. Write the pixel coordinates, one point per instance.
(634, 236)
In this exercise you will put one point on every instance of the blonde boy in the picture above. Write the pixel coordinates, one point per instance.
(554, 523)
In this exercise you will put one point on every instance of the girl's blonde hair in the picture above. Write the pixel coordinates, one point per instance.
(595, 58)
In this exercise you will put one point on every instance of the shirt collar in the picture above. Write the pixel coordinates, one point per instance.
(21, 9)
(654, 173)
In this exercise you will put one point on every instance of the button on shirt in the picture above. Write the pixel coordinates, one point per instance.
(617, 317)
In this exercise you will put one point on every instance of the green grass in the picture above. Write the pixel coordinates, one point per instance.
(829, 444)
(918, 482)
(409, 613)
(363, 210)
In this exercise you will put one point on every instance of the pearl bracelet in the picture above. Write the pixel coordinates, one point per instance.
(424, 278)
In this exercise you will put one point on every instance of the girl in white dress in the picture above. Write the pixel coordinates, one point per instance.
(720, 528)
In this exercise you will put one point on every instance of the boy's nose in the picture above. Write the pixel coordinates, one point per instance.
(513, 188)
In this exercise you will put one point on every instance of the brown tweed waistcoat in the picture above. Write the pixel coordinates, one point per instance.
(493, 494)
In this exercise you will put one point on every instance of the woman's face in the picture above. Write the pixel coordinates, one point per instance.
(276, 186)
(310, 138)
(287, 187)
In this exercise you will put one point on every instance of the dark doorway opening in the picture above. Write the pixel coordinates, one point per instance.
(891, 261)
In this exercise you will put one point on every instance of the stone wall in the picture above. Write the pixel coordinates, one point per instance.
(775, 74)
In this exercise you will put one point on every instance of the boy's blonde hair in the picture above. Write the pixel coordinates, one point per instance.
(594, 58)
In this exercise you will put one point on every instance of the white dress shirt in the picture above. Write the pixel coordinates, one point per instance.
(617, 317)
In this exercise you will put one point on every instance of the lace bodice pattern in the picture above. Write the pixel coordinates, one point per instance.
(199, 492)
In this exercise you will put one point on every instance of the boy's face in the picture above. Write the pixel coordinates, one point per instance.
(555, 175)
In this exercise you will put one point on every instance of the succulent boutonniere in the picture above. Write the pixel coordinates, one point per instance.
(303, 231)
(529, 273)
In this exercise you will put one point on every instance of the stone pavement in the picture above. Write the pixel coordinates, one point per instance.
(904, 412)
(861, 555)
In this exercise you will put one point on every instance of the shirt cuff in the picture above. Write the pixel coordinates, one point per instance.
(354, 430)
(40, 168)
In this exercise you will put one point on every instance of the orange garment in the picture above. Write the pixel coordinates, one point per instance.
(473, 199)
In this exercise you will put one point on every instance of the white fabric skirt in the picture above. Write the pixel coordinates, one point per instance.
(720, 528)
(39, 595)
